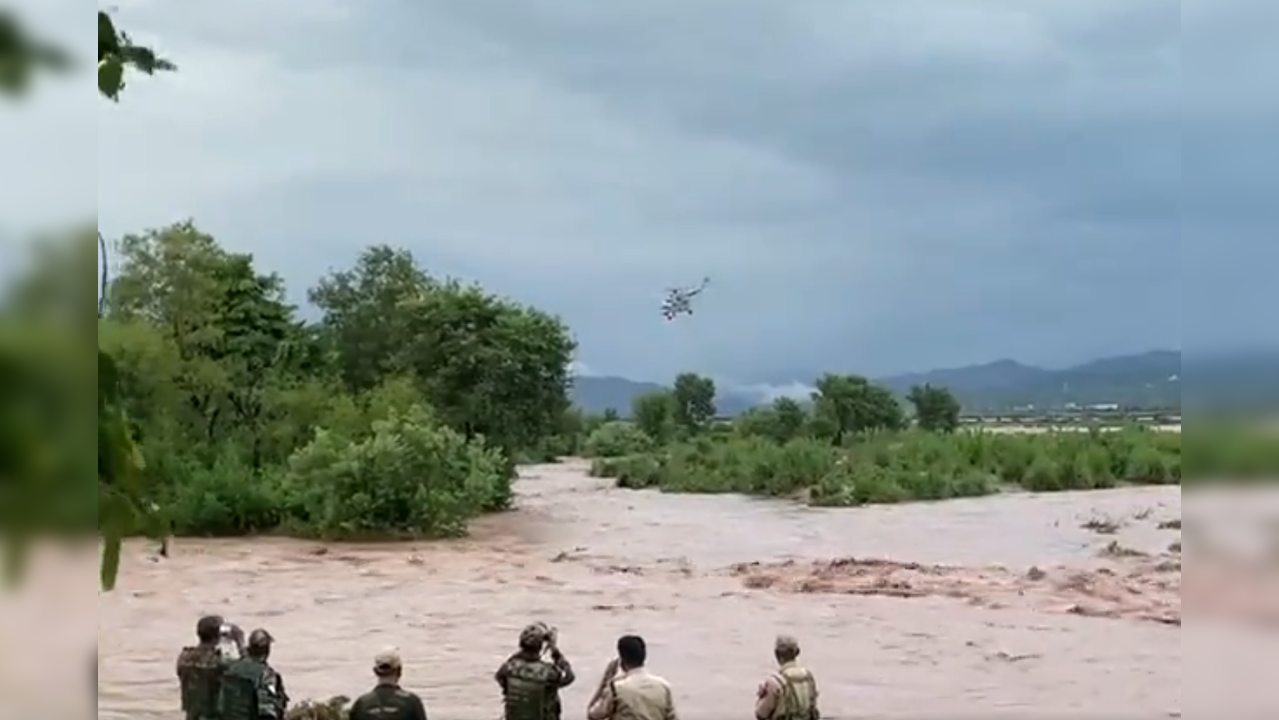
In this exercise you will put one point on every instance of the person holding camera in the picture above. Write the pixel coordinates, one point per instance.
(530, 682)
(628, 691)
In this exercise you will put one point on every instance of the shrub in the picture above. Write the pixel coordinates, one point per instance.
(617, 439)
(888, 467)
(635, 472)
(411, 477)
(223, 499)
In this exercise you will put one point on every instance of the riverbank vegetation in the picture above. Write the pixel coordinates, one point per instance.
(400, 411)
(856, 444)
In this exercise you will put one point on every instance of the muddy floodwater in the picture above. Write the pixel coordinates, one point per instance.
(1006, 605)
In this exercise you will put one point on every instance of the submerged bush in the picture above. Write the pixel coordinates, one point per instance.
(891, 467)
(225, 498)
(617, 439)
(412, 477)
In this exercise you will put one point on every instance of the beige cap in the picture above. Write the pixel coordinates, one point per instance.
(387, 661)
(786, 644)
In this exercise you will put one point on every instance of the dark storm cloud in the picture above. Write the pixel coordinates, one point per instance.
(1041, 139)
(873, 185)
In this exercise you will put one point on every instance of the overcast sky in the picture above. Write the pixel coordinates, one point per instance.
(872, 185)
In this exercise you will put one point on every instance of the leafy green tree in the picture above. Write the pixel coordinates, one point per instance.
(936, 408)
(756, 422)
(489, 366)
(781, 421)
(790, 418)
(654, 413)
(694, 398)
(368, 311)
(233, 331)
(611, 415)
(851, 404)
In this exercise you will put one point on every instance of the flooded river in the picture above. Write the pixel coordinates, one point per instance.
(1012, 608)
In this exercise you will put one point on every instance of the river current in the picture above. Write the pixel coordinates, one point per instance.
(1056, 605)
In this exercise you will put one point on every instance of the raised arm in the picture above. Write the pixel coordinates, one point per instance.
(602, 706)
(610, 672)
(565, 668)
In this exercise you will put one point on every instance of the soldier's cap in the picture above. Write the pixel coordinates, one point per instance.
(786, 644)
(260, 639)
(534, 634)
(387, 661)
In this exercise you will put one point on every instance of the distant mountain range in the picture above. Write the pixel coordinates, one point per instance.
(598, 394)
(1149, 380)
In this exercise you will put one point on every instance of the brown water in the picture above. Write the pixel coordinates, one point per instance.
(709, 581)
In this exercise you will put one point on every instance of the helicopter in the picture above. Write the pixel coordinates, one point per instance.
(679, 301)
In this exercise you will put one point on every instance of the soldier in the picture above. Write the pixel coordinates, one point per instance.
(387, 700)
(200, 670)
(635, 694)
(791, 692)
(531, 685)
(251, 688)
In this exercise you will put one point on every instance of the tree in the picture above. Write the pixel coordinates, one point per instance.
(654, 413)
(790, 418)
(936, 408)
(367, 313)
(233, 332)
(851, 404)
(781, 421)
(490, 366)
(694, 398)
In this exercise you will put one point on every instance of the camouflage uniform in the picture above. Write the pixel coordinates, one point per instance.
(251, 688)
(200, 670)
(388, 701)
(791, 692)
(530, 685)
